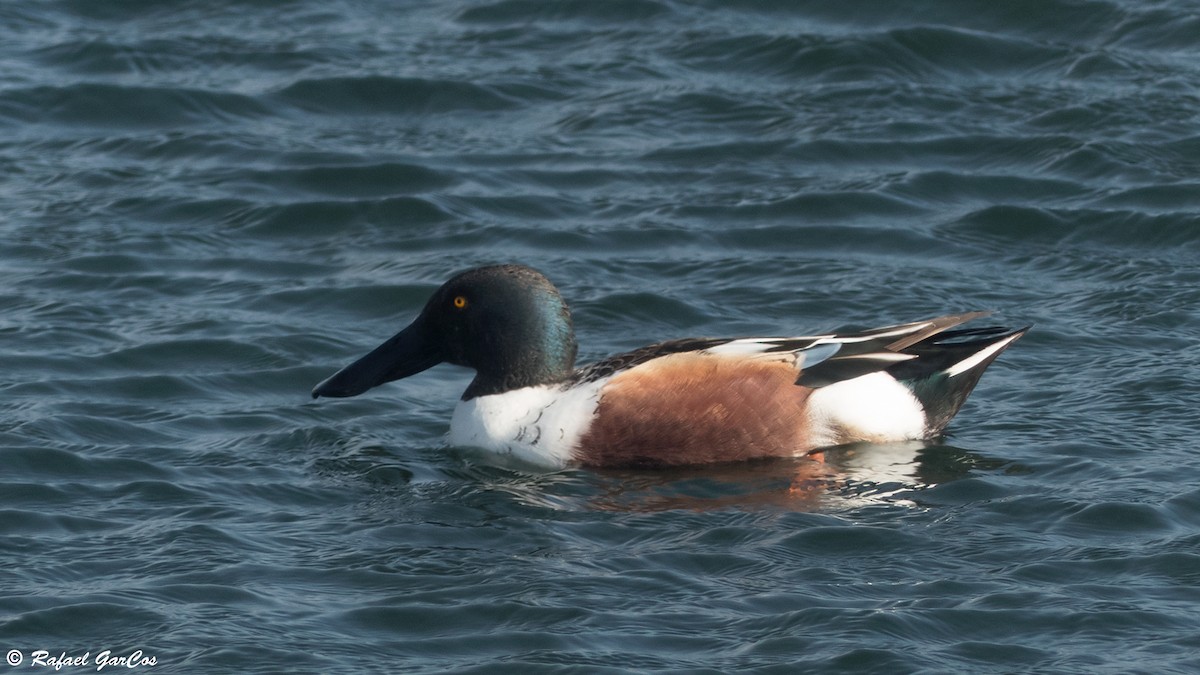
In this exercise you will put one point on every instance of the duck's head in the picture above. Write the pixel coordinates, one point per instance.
(508, 322)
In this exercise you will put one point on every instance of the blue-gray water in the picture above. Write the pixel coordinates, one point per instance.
(208, 206)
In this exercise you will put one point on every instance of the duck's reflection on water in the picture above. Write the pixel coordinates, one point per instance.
(837, 478)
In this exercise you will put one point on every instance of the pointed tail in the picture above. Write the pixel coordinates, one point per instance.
(948, 366)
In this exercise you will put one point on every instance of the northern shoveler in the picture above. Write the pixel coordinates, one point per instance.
(688, 401)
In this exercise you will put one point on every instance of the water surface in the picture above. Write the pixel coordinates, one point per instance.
(210, 206)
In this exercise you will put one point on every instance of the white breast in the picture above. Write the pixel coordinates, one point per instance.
(541, 425)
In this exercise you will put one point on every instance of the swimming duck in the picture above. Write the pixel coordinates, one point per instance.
(688, 401)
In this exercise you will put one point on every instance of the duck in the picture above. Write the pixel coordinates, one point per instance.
(689, 401)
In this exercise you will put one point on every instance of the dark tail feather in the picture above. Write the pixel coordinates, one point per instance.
(877, 349)
(948, 367)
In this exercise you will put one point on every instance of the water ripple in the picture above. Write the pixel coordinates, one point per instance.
(210, 206)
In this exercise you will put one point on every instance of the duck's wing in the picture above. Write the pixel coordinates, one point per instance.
(869, 351)
(821, 359)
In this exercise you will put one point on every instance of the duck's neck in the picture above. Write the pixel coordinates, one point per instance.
(539, 349)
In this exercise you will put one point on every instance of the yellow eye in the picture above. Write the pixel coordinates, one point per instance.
(460, 301)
